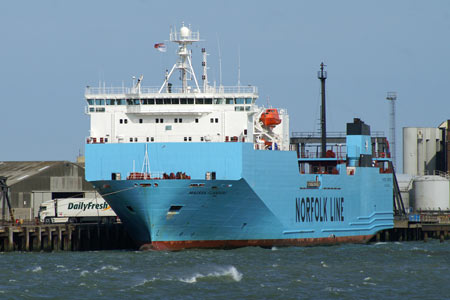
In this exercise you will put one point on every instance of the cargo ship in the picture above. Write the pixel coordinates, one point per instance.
(204, 166)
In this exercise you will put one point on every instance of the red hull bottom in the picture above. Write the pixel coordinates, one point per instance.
(229, 244)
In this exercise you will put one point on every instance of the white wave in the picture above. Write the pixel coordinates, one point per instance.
(60, 266)
(145, 281)
(367, 278)
(230, 271)
(36, 269)
(324, 264)
(333, 289)
(380, 243)
(274, 248)
(12, 280)
(84, 273)
(107, 267)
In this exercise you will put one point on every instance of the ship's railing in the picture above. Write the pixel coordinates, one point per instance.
(330, 134)
(340, 155)
(173, 90)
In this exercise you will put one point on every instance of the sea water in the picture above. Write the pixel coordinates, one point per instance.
(408, 270)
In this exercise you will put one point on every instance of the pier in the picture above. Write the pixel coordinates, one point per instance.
(429, 227)
(64, 237)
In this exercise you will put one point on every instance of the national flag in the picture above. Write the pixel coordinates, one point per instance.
(161, 47)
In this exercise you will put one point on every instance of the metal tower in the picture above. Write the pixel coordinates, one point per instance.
(392, 96)
(322, 75)
(183, 38)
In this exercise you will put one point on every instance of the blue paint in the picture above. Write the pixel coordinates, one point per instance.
(254, 197)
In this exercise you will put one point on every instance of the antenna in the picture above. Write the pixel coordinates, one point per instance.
(322, 75)
(184, 38)
(220, 61)
(392, 96)
(239, 66)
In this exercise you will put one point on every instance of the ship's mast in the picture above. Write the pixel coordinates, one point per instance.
(183, 38)
(322, 75)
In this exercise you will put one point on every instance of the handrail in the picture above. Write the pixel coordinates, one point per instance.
(174, 90)
(330, 134)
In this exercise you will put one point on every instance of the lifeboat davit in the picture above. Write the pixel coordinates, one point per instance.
(270, 117)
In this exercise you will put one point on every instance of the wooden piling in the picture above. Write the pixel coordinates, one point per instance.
(10, 245)
(27, 239)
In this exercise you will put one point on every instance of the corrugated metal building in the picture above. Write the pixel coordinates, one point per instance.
(33, 182)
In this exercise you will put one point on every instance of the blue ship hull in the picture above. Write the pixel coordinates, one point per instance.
(258, 197)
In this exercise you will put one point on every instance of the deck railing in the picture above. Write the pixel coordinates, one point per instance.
(173, 90)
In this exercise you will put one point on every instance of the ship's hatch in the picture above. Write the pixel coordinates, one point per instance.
(173, 210)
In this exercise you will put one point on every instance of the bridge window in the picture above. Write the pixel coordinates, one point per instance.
(100, 109)
(240, 100)
(99, 102)
(159, 101)
(129, 102)
(190, 101)
(183, 101)
(248, 100)
(176, 101)
(167, 101)
(230, 101)
(208, 101)
(199, 101)
(137, 101)
(110, 102)
(219, 101)
(120, 102)
(90, 101)
(168, 127)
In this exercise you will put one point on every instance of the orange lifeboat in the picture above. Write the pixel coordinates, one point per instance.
(270, 117)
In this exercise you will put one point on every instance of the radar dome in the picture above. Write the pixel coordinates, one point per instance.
(185, 32)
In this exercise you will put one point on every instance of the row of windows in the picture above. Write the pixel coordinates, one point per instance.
(161, 120)
(148, 139)
(171, 101)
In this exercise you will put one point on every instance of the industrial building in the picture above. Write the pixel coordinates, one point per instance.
(426, 165)
(32, 182)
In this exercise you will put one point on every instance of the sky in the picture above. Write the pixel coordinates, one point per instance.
(51, 50)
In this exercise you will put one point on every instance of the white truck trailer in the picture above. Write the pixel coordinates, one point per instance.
(76, 210)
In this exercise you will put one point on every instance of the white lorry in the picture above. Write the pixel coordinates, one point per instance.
(76, 210)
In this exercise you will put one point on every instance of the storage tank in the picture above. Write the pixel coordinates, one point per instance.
(431, 193)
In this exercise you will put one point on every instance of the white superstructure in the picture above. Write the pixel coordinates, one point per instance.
(189, 113)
